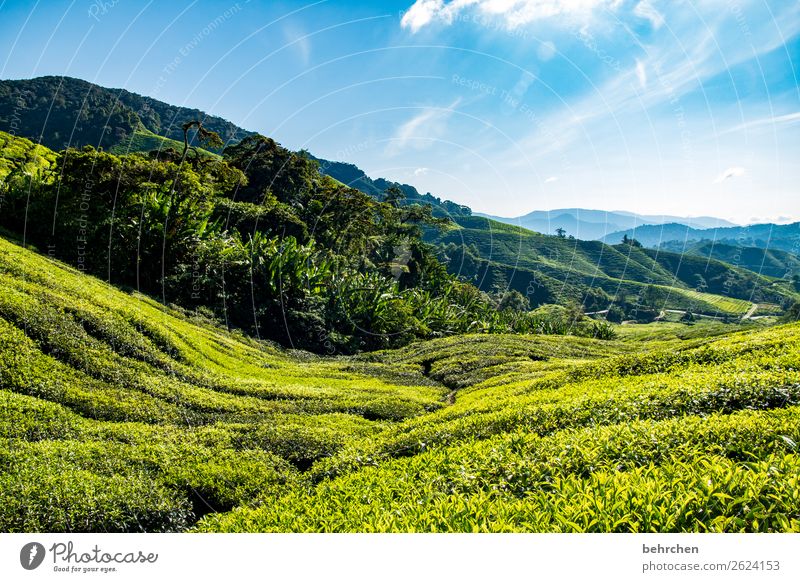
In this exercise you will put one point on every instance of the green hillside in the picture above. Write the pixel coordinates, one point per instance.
(120, 414)
(552, 269)
(680, 238)
(143, 140)
(772, 263)
(23, 157)
(355, 177)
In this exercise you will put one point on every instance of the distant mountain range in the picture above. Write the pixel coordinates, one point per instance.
(599, 224)
(680, 237)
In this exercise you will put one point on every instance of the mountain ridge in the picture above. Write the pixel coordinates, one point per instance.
(593, 224)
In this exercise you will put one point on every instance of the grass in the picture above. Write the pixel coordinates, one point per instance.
(121, 414)
(719, 303)
(144, 140)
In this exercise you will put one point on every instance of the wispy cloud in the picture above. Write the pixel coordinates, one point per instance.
(420, 171)
(546, 51)
(641, 74)
(664, 73)
(300, 42)
(551, 179)
(646, 10)
(732, 172)
(422, 129)
(775, 122)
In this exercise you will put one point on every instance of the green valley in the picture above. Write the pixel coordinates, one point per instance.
(121, 414)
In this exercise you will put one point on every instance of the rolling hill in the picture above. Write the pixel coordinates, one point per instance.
(353, 176)
(123, 415)
(554, 269)
(679, 238)
(772, 263)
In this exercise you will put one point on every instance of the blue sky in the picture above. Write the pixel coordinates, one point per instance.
(686, 108)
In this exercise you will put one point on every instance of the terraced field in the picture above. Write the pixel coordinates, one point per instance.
(120, 414)
(550, 269)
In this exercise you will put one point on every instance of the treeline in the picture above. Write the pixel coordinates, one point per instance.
(260, 239)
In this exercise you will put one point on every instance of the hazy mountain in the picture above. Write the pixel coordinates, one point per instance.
(551, 268)
(588, 224)
(63, 111)
(680, 238)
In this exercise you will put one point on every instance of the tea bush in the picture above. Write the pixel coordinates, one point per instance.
(120, 414)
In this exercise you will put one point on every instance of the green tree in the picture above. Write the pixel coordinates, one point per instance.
(210, 139)
(651, 297)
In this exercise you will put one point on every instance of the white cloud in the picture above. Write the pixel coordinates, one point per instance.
(421, 129)
(421, 13)
(420, 171)
(641, 74)
(551, 179)
(514, 12)
(546, 51)
(779, 219)
(646, 10)
(300, 41)
(732, 172)
(672, 70)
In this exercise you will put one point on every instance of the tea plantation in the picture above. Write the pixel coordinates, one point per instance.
(118, 414)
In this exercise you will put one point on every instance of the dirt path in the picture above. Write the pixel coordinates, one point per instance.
(750, 312)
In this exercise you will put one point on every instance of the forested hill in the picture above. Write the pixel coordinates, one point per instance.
(67, 112)
(355, 177)
(61, 112)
